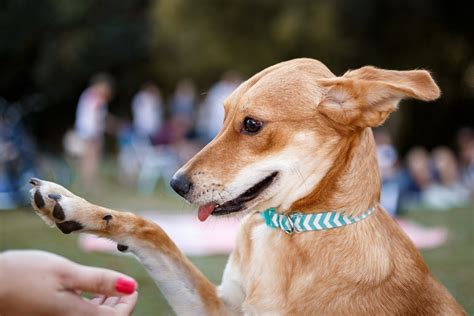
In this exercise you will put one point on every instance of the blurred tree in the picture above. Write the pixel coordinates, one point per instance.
(435, 35)
(52, 47)
(202, 39)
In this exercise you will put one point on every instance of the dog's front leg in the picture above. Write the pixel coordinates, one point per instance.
(187, 290)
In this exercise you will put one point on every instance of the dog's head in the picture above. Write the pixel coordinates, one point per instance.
(282, 130)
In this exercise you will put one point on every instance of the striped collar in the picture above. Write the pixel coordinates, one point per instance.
(298, 222)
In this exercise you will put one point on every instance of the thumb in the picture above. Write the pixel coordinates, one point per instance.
(99, 281)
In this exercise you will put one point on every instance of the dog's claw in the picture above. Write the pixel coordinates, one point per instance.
(34, 181)
(122, 248)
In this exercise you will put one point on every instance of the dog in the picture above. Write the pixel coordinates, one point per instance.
(296, 155)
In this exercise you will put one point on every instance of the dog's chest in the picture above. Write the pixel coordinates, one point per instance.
(263, 272)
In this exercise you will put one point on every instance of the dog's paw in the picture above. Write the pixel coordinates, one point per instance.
(71, 213)
(59, 207)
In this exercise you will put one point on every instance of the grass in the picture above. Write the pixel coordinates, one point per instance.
(452, 263)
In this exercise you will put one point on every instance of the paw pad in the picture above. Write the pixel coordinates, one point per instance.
(54, 196)
(39, 199)
(69, 226)
(58, 212)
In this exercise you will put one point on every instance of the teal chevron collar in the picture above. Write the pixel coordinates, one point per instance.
(298, 222)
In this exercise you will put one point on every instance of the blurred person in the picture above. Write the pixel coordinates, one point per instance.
(35, 282)
(211, 114)
(395, 185)
(90, 125)
(446, 166)
(183, 103)
(183, 115)
(387, 158)
(173, 138)
(136, 140)
(128, 157)
(420, 176)
(147, 108)
(17, 156)
(448, 191)
(465, 143)
(183, 147)
(386, 153)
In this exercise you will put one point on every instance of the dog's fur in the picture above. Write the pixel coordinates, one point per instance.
(317, 136)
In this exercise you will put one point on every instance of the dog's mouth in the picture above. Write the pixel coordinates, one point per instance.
(236, 204)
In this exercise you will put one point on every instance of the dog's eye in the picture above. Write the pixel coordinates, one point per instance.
(251, 126)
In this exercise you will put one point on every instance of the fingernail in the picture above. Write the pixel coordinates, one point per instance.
(126, 286)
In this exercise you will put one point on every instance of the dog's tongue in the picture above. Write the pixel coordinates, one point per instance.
(206, 210)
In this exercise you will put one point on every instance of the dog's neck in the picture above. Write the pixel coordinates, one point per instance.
(352, 184)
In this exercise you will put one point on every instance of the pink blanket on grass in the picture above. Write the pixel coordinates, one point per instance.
(195, 238)
(217, 236)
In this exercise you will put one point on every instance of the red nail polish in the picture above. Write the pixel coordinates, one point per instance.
(126, 286)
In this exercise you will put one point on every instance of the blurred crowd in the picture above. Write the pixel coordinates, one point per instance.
(17, 154)
(440, 179)
(162, 135)
(165, 133)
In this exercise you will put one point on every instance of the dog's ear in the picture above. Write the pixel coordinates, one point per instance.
(366, 96)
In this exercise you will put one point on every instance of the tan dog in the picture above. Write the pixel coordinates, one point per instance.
(296, 138)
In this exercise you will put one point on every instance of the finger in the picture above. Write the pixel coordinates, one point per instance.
(99, 281)
(111, 301)
(70, 303)
(129, 299)
(98, 300)
(126, 304)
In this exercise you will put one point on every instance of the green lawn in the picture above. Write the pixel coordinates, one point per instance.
(452, 264)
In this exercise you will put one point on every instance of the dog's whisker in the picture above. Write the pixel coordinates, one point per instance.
(222, 200)
(303, 179)
(229, 194)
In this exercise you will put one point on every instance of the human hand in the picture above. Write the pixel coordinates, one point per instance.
(40, 283)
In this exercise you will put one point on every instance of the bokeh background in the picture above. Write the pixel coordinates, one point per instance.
(50, 50)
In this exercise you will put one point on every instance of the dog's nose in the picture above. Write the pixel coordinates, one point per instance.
(181, 184)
